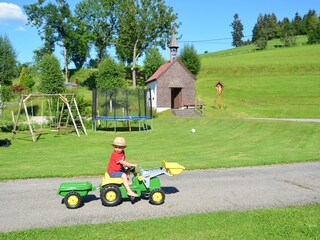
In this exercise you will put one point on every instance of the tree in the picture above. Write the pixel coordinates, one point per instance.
(190, 59)
(152, 61)
(98, 20)
(261, 43)
(25, 78)
(54, 23)
(8, 69)
(272, 26)
(258, 31)
(237, 33)
(78, 43)
(142, 24)
(287, 33)
(314, 30)
(51, 75)
(8, 63)
(297, 25)
(110, 75)
(308, 20)
(266, 28)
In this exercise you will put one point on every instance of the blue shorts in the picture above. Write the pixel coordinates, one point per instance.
(116, 174)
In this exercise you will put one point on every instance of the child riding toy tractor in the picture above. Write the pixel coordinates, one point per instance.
(145, 184)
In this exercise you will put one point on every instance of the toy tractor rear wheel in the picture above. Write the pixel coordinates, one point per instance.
(157, 197)
(73, 200)
(110, 195)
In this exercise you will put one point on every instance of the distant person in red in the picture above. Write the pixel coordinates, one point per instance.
(118, 162)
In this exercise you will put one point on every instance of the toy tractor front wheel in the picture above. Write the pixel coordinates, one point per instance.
(157, 197)
(73, 200)
(110, 195)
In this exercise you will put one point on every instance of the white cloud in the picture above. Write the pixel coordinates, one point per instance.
(11, 12)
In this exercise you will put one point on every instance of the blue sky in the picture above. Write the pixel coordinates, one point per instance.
(201, 20)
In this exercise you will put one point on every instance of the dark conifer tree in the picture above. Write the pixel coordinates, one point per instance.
(257, 32)
(307, 20)
(297, 25)
(287, 33)
(237, 33)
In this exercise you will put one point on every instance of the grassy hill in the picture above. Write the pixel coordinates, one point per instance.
(272, 83)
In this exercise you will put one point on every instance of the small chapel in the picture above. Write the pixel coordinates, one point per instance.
(172, 86)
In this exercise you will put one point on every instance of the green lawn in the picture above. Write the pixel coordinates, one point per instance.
(216, 143)
(282, 223)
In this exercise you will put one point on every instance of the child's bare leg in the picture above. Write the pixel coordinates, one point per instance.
(126, 185)
(129, 180)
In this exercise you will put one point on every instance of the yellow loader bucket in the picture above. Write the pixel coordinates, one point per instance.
(172, 167)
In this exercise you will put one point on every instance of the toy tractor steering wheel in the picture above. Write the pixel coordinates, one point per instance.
(131, 170)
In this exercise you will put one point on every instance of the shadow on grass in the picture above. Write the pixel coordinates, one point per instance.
(124, 129)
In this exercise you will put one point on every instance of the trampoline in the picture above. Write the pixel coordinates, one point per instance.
(122, 105)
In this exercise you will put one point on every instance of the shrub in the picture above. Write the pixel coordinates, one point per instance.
(51, 76)
(261, 43)
(110, 75)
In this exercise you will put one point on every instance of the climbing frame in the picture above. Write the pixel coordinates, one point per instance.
(68, 100)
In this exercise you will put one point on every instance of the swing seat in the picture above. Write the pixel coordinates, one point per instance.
(38, 131)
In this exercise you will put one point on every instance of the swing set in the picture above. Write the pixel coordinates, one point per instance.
(68, 103)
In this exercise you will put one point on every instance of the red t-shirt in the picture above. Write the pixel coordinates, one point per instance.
(114, 162)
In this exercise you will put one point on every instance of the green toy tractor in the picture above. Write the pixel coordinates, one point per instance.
(146, 184)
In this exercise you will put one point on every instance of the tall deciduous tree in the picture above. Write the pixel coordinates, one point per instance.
(152, 61)
(54, 22)
(142, 24)
(190, 58)
(78, 44)
(237, 33)
(98, 18)
(8, 69)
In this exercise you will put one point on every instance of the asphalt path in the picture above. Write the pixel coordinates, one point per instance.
(34, 203)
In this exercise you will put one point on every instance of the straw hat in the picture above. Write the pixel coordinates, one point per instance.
(119, 141)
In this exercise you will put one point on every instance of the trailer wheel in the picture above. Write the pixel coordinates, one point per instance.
(110, 196)
(157, 197)
(73, 200)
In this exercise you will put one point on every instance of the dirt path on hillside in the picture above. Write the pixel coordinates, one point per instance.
(290, 119)
(34, 203)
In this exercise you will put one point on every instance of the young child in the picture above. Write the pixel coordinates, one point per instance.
(117, 163)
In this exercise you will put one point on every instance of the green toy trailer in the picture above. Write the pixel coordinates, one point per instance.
(146, 184)
(73, 193)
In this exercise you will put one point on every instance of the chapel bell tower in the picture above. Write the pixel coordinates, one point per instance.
(173, 46)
